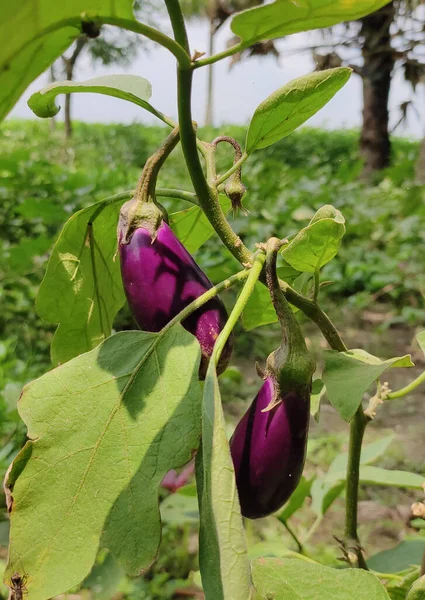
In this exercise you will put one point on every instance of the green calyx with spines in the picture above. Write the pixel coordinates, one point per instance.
(290, 365)
(143, 210)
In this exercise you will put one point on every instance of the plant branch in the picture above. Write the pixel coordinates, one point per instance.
(237, 165)
(407, 389)
(219, 56)
(177, 23)
(351, 542)
(293, 536)
(243, 298)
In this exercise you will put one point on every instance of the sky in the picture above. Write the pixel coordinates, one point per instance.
(237, 91)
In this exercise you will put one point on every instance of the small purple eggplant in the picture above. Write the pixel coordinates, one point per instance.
(269, 444)
(160, 279)
(268, 450)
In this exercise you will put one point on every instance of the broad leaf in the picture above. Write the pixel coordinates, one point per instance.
(127, 87)
(284, 17)
(292, 105)
(192, 227)
(222, 547)
(104, 429)
(294, 579)
(82, 289)
(406, 553)
(401, 479)
(259, 308)
(348, 375)
(37, 33)
(317, 244)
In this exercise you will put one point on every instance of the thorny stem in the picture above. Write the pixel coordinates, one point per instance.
(208, 200)
(351, 542)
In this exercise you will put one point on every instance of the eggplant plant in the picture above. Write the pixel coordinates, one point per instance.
(121, 413)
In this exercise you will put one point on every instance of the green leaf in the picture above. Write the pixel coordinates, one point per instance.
(284, 17)
(133, 88)
(178, 509)
(104, 429)
(348, 375)
(399, 588)
(294, 579)
(192, 227)
(407, 553)
(296, 500)
(401, 479)
(38, 33)
(317, 244)
(82, 289)
(293, 104)
(417, 591)
(259, 308)
(318, 390)
(222, 547)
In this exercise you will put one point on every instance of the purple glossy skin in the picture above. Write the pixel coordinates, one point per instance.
(160, 279)
(268, 450)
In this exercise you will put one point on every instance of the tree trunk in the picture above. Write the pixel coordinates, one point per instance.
(378, 57)
(69, 70)
(67, 114)
(209, 119)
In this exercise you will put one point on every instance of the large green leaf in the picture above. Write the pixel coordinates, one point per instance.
(294, 579)
(222, 547)
(104, 429)
(284, 17)
(82, 289)
(291, 105)
(317, 244)
(348, 375)
(37, 32)
(259, 308)
(127, 87)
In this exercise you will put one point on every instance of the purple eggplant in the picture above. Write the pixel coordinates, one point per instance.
(269, 448)
(160, 279)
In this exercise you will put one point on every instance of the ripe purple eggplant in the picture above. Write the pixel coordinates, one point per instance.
(268, 446)
(268, 449)
(160, 279)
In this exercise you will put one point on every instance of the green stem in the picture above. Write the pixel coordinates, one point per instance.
(293, 536)
(207, 195)
(316, 284)
(232, 169)
(201, 300)
(177, 23)
(357, 429)
(312, 529)
(171, 193)
(182, 56)
(407, 389)
(243, 298)
(219, 56)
